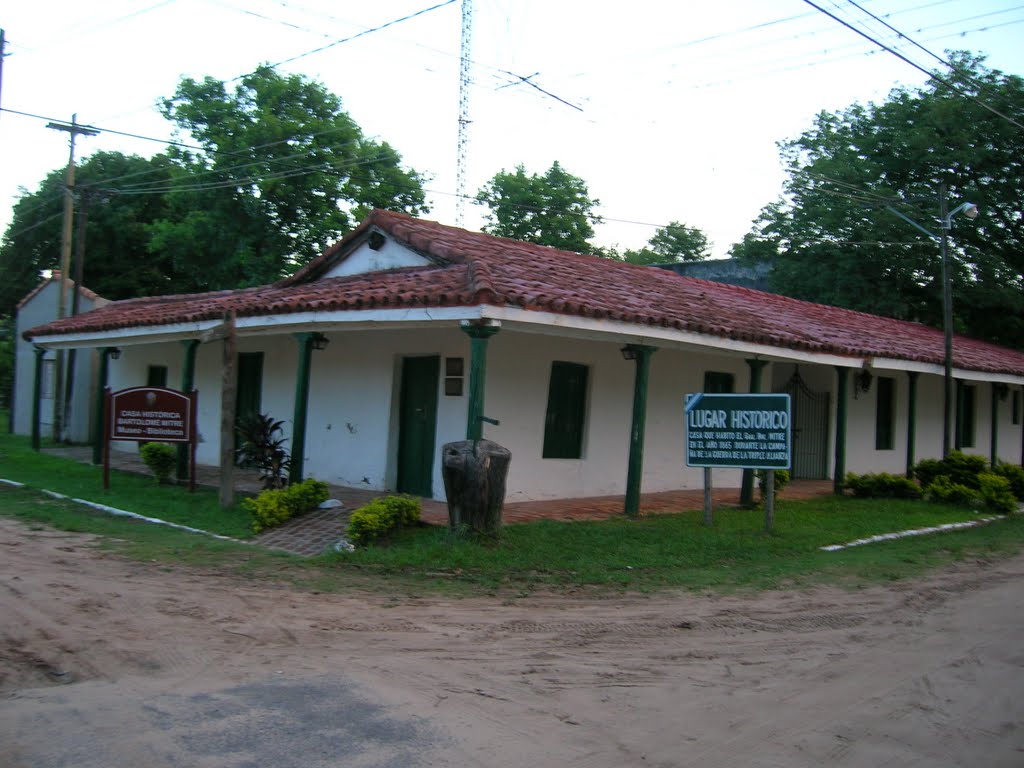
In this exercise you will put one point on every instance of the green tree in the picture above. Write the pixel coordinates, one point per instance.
(118, 263)
(673, 243)
(836, 241)
(552, 209)
(283, 172)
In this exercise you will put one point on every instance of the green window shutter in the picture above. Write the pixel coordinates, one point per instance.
(885, 413)
(566, 412)
(249, 385)
(156, 376)
(717, 383)
(1016, 407)
(965, 416)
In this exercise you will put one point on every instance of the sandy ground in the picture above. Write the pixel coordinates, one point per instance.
(106, 662)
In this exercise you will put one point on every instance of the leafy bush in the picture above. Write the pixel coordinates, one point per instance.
(405, 509)
(996, 493)
(1015, 475)
(959, 467)
(308, 494)
(262, 448)
(381, 517)
(782, 478)
(927, 470)
(277, 505)
(882, 485)
(160, 458)
(945, 491)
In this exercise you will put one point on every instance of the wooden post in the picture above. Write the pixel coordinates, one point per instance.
(106, 437)
(634, 471)
(769, 500)
(708, 502)
(228, 392)
(994, 442)
(747, 481)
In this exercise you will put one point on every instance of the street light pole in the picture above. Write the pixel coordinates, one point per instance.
(945, 225)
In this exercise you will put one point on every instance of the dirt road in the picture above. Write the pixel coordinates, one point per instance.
(106, 662)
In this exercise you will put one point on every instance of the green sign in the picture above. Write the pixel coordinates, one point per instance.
(748, 431)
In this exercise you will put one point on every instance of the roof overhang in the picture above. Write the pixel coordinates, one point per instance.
(511, 318)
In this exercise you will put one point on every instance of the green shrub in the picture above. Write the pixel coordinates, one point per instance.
(782, 478)
(275, 506)
(381, 517)
(308, 494)
(1015, 475)
(959, 467)
(996, 493)
(945, 491)
(927, 470)
(963, 469)
(882, 485)
(405, 509)
(160, 458)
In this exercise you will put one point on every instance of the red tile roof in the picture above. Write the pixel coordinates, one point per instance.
(470, 269)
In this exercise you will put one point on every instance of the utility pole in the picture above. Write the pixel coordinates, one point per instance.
(74, 129)
(85, 198)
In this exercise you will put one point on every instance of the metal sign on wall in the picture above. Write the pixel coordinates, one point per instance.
(746, 431)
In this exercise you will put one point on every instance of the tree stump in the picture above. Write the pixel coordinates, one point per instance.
(474, 480)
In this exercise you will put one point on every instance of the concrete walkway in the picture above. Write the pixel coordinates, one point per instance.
(315, 532)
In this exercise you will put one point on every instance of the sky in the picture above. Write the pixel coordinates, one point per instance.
(669, 111)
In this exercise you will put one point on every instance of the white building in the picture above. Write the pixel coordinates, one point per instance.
(429, 327)
(38, 307)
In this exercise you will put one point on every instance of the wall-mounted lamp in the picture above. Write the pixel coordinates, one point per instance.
(114, 353)
(319, 342)
(862, 382)
(628, 352)
(1002, 391)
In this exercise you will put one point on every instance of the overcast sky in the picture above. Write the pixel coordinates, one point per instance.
(668, 110)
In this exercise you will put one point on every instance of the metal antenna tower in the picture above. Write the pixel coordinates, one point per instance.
(464, 54)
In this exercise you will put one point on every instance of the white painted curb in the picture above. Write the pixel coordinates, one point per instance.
(126, 513)
(912, 532)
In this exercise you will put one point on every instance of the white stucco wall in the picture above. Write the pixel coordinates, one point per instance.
(42, 308)
(365, 259)
(352, 427)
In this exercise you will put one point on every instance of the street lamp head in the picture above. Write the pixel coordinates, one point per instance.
(970, 210)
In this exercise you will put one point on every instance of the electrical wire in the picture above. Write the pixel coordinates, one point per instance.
(903, 58)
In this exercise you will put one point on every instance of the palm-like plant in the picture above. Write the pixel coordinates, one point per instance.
(262, 447)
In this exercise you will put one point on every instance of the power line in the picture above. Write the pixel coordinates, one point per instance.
(933, 75)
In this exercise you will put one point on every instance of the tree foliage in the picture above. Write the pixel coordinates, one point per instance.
(118, 262)
(552, 209)
(834, 239)
(673, 243)
(283, 172)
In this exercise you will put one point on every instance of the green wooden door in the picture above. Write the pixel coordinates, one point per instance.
(417, 414)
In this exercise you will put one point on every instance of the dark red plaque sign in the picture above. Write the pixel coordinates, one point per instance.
(150, 414)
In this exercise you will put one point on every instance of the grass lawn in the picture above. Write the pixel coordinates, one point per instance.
(655, 552)
(127, 491)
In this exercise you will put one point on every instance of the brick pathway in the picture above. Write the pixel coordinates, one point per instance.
(317, 531)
